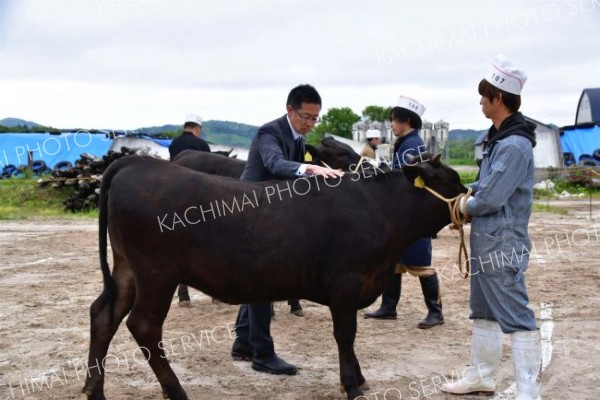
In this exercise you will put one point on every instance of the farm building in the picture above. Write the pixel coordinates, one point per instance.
(588, 109)
(581, 142)
(546, 154)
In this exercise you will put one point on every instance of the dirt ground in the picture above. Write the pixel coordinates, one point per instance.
(49, 276)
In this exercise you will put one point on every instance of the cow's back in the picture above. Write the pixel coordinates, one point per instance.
(210, 163)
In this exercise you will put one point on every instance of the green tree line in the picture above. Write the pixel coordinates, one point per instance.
(27, 129)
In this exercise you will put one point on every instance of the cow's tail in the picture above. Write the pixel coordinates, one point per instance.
(110, 288)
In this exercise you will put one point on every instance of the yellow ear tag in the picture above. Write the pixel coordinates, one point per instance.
(419, 182)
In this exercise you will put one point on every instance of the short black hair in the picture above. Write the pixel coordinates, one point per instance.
(401, 114)
(303, 94)
(190, 125)
(510, 100)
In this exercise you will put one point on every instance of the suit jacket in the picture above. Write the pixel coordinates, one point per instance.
(273, 153)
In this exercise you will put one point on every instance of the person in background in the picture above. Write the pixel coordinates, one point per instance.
(373, 140)
(500, 207)
(277, 152)
(189, 138)
(416, 259)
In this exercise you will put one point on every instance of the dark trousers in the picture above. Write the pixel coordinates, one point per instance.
(253, 328)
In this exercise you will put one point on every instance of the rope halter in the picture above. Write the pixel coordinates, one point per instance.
(458, 220)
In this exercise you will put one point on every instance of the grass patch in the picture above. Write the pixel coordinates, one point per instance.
(22, 198)
(549, 209)
(461, 161)
(467, 177)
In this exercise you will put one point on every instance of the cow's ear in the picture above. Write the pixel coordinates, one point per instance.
(410, 159)
(435, 160)
(416, 174)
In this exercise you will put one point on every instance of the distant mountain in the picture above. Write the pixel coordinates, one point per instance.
(158, 130)
(15, 122)
(464, 134)
(225, 133)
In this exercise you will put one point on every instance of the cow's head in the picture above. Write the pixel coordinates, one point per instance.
(427, 169)
(337, 154)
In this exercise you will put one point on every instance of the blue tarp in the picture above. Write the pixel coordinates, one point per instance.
(162, 142)
(580, 141)
(52, 149)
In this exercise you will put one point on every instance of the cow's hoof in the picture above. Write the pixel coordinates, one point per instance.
(364, 386)
(298, 313)
(179, 396)
(186, 304)
(89, 393)
(95, 396)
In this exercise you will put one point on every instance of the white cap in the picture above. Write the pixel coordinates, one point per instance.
(193, 118)
(411, 105)
(373, 133)
(506, 76)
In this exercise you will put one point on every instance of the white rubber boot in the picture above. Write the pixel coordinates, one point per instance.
(486, 350)
(527, 359)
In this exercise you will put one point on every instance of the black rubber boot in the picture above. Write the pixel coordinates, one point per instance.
(389, 300)
(431, 293)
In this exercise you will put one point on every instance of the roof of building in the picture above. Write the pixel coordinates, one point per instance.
(594, 98)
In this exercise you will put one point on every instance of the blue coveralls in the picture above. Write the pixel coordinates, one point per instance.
(500, 244)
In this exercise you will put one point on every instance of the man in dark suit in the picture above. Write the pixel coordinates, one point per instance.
(190, 138)
(276, 152)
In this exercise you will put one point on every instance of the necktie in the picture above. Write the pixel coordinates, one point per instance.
(299, 148)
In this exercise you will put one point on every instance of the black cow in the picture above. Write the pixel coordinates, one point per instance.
(245, 242)
(334, 153)
(210, 163)
(337, 154)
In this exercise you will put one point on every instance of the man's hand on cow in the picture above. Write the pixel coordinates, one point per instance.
(326, 172)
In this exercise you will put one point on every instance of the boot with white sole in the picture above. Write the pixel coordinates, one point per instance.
(527, 360)
(486, 350)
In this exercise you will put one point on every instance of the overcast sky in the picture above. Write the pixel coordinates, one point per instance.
(125, 64)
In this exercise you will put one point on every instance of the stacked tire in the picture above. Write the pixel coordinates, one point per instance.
(84, 177)
(38, 167)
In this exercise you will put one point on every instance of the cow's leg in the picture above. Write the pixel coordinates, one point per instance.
(184, 296)
(103, 326)
(145, 324)
(344, 331)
